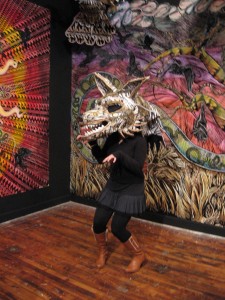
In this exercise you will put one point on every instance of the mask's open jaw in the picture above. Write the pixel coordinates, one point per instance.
(97, 130)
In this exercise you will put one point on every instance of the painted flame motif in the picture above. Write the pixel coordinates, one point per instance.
(14, 110)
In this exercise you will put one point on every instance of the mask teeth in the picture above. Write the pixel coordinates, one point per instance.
(93, 129)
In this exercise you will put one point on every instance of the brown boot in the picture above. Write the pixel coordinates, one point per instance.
(101, 239)
(138, 255)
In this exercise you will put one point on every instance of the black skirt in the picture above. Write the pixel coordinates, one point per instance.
(129, 199)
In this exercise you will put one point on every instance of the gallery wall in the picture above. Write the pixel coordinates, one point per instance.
(184, 57)
(180, 47)
(36, 147)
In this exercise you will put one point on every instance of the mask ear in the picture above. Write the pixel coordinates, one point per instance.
(133, 86)
(104, 85)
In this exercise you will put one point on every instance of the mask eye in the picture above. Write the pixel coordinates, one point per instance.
(113, 108)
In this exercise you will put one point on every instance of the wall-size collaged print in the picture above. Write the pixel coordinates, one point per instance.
(24, 96)
(180, 51)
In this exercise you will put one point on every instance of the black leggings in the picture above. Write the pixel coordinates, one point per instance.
(118, 225)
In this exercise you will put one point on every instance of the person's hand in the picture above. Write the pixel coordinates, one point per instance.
(110, 159)
(80, 138)
(86, 142)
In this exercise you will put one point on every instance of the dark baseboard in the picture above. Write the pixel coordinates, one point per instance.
(33, 208)
(165, 219)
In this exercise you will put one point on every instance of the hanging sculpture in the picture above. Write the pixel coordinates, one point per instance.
(91, 25)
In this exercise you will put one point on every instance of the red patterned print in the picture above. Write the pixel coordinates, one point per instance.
(24, 96)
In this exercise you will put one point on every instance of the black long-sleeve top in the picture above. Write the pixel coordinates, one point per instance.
(130, 157)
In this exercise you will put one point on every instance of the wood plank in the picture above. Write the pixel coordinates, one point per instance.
(51, 255)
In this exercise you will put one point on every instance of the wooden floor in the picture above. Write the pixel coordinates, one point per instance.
(51, 255)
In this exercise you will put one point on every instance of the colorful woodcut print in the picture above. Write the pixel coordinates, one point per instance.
(24, 96)
(181, 50)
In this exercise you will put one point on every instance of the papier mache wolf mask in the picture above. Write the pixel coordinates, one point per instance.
(119, 109)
